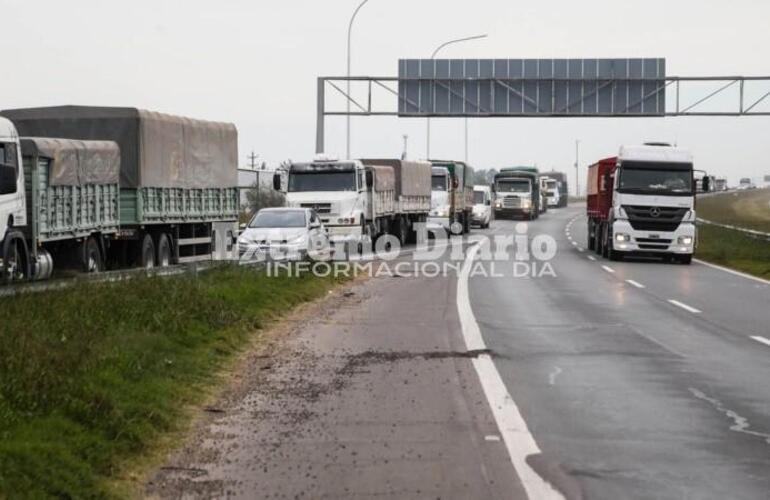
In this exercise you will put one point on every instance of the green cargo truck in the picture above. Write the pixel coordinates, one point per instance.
(120, 187)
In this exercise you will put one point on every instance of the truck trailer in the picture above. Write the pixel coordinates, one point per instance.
(103, 188)
(643, 202)
(360, 199)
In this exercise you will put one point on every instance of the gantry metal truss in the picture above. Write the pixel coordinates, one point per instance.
(702, 96)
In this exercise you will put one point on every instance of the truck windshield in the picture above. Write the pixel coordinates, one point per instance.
(438, 183)
(322, 181)
(656, 178)
(513, 186)
(278, 218)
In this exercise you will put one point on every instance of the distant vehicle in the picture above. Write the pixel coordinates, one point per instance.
(451, 196)
(284, 234)
(720, 184)
(360, 200)
(543, 194)
(561, 181)
(551, 189)
(746, 183)
(643, 202)
(516, 194)
(766, 181)
(482, 206)
(99, 187)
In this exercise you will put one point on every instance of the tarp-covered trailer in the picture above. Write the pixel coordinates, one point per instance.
(412, 194)
(178, 177)
(72, 196)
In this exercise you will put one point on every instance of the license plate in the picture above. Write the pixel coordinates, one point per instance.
(655, 236)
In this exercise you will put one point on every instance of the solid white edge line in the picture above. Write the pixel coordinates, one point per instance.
(684, 306)
(608, 269)
(761, 340)
(732, 271)
(635, 283)
(516, 435)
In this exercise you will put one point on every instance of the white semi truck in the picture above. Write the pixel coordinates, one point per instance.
(360, 199)
(643, 202)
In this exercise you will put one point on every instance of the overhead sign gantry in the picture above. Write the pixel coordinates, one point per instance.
(559, 88)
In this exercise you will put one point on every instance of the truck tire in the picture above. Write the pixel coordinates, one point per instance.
(16, 265)
(684, 259)
(146, 257)
(164, 257)
(91, 258)
(591, 238)
(605, 250)
(403, 231)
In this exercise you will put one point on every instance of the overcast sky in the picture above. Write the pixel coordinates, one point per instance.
(255, 63)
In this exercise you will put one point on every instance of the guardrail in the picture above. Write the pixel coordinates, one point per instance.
(750, 232)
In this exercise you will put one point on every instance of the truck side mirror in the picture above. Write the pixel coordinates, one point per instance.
(277, 182)
(369, 179)
(706, 184)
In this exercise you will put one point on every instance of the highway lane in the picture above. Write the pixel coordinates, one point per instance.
(628, 394)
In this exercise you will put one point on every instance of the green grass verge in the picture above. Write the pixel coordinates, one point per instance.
(91, 377)
(748, 209)
(734, 249)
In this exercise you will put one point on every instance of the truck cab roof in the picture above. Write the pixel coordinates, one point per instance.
(7, 130)
(655, 153)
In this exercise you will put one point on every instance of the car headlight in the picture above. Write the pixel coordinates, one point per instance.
(685, 240)
(622, 237)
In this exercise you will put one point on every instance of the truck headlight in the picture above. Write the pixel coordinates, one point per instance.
(685, 240)
(622, 237)
(498, 204)
(526, 203)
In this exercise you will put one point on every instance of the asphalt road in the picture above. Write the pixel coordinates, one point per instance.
(588, 384)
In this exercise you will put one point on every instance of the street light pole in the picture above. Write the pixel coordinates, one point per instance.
(432, 57)
(347, 117)
(577, 175)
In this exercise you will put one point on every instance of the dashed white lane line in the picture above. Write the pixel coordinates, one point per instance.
(591, 257)
(761, 340)
(635, 283)
(516, 435)
(608, 269)
(684, 306)
(580, 249)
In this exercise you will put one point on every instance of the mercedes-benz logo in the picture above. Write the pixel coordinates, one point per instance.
(655, 212)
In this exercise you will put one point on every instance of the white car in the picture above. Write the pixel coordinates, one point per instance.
(284, 234)
(482, 206)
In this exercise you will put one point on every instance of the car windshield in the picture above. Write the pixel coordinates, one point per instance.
(656, 178)
(278, 218)
(438, 183)
(322, 181)
(513, 186)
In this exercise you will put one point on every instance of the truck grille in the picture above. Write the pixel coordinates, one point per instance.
(650, 218)
(321, 208)
(511, 202)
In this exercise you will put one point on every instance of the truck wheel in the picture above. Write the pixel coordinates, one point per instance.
(403, 231)
(591, 239)
(164, 258)
(605, 241)
(147, 253)
(684, 259)
(91, 260)
(15, 258)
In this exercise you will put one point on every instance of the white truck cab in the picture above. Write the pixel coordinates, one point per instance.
(551, 190)
(13, 211)
(336, 190)
(653, 203)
